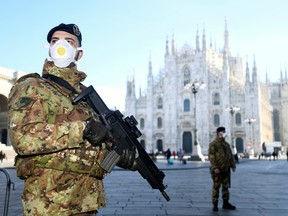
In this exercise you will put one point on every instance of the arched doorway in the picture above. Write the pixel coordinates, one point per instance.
(3, 103)
(160, 145)
(187, 142)
(239, 145)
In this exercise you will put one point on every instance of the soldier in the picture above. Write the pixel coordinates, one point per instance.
(221, 160)
(59, 146)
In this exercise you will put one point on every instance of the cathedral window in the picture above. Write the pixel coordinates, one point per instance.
(160, 103)
(216, 120)
(216, 99)
(159, 122)
(186, 105)
(238, 119)
(186, 77)
(142, 123)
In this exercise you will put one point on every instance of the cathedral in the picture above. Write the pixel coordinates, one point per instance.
(201, 88)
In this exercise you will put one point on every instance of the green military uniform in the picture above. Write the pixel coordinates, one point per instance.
(220, 157)
(61, 170)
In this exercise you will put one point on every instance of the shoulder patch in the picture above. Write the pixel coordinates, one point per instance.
(23, 101)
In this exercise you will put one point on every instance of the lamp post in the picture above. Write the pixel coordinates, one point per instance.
(250, 121)
(196, 153)
(232, 110)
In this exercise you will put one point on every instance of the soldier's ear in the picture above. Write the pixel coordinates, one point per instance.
(79, 55)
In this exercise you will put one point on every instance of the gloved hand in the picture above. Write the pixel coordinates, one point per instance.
(127, 159)
(95, 132)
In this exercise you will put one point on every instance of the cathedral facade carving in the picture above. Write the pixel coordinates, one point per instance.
(171, 115)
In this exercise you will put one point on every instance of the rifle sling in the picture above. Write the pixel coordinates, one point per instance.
(60, 81)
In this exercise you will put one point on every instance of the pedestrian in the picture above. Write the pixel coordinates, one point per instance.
(168, 156)
(174, 154)
(222, 161)
(235, 153)
(59, 145)
(274, 155)
(2, 156)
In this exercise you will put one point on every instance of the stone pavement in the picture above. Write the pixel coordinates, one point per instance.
(259, 188)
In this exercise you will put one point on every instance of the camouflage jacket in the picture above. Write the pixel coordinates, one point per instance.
(220, 155)
(46, 132)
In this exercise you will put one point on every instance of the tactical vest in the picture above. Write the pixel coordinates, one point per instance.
(83, 159)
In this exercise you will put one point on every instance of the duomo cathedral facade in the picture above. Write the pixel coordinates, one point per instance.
(174, 113)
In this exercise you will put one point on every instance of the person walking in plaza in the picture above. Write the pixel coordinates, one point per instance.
(168, 156)
(222, 161)
(235, 153)
(59, 145)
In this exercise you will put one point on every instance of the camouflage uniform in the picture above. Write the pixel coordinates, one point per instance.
(61, 170)
(220, 157)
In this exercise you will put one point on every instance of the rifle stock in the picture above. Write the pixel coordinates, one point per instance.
(126, 133)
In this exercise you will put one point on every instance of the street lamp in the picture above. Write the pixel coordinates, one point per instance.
(195, 87)
(232, 110)
(250, 121)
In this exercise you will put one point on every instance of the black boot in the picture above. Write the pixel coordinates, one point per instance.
(215, 207)
(227, 205)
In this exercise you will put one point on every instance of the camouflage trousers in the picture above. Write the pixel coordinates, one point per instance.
(221, 179)
(57, 193)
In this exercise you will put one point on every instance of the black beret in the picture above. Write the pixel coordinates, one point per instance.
(220, 129)
(70, 28)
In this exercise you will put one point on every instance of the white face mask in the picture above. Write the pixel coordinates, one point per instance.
(62, 53)
(224, 135)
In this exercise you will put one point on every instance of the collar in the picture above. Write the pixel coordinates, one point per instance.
(220, 139)
(70, 74)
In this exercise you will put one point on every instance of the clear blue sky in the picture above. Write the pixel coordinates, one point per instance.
(120, 35)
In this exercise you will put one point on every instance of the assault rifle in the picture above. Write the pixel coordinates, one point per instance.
(126, 133)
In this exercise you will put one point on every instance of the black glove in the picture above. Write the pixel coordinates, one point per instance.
(95, 132)
(127, 159)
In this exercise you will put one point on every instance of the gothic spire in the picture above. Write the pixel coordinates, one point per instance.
(150, 66)
(197, 42)
(167, 47)
(226, 39)
(247, 73)
(173, 49)
(254, 75)
(281, 75)
(130, 87)
(204, 41)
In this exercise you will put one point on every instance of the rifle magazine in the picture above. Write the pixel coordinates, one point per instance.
(110, 161)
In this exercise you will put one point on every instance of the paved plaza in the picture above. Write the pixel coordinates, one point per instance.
(259, 188)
